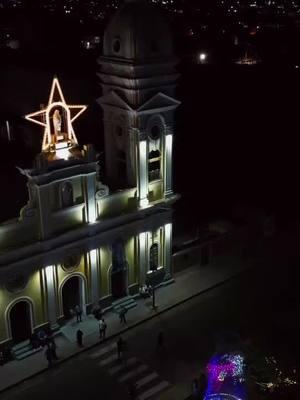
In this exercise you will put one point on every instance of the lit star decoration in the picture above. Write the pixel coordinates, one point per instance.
(43, 118)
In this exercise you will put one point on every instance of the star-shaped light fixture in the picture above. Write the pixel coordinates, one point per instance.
(57, 118)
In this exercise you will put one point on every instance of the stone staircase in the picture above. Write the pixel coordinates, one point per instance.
(23, 350)
(127, 302)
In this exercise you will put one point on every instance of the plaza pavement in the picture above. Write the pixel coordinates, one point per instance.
(188, 283)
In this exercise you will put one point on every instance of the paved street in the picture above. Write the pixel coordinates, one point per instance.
(260, 305)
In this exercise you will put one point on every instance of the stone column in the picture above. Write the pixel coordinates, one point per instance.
(90, 197)
(94, 264)
(51, 296)
(143, 256)
(168, 250)
(168, 189)
(43, 208)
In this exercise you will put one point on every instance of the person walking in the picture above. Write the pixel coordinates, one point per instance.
(48, 355)
(53, 347)
(78, 312)
(195, 388)
(132, 390)
(102, 328)
(79, 336)
(97, 312)
(122, 313)
(160, 344)
(120, 347)
(2, 360)
(202, 384)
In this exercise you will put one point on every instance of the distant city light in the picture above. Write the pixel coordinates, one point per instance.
(202, 56)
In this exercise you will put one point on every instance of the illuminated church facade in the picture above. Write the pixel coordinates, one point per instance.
(77, 240)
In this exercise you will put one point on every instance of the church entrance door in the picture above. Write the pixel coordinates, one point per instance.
(20, 322)
(72, 295)
(118, 284)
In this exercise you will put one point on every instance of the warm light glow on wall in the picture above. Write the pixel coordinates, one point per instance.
(144, 203)
(169, 142)
(168, 229)
(92, 214)
(93, 255)
(63, 153)
(49, 272)
(142, 237)
(143, 174)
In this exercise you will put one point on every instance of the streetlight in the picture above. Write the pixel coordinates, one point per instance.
(202, 57)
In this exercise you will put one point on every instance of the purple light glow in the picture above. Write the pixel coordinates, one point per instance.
(225, 377)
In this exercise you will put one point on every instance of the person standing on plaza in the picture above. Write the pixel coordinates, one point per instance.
(102, 328)
(97, 311)
(202, 384)
(2, 360)
(48, 355)
(195, 388)
(132, 391)
(120, 347)
(122, 313)
(160, 344)
(79, 336)
(78, 312)
(53, 347)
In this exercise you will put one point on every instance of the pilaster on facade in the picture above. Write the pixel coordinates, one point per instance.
(143, 259)
(50, 279)
(94, 257)
(90, 197)
(168, 250)
(43, 214)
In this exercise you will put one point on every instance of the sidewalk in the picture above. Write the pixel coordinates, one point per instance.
(188, 284)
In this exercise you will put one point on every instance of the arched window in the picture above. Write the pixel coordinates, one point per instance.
(153, 257)
(67, 194)
(154, 165)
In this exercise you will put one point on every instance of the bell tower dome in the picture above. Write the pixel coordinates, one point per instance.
(138, 81)
(138, 32)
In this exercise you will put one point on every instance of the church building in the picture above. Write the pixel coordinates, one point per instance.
(79, 241)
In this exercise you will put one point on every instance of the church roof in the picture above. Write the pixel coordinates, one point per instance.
(136, 32)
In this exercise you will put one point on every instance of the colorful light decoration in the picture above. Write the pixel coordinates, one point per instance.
(222, 396)
(226, 377)
(43, 117)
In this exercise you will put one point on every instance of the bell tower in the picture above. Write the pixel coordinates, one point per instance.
(138, 82)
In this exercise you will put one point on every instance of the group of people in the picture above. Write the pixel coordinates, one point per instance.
(145, 291)
(76, 311)
(40, 339)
